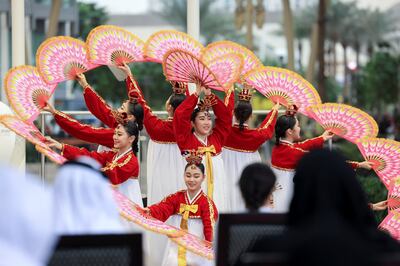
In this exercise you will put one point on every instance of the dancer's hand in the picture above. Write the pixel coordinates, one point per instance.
(126, 69)
(379, 206)
(365, 165)
(276, 106)
(53, 143)
(49, 108)
(207, 91)
(198, 88)
(327, 135)
(82, 80)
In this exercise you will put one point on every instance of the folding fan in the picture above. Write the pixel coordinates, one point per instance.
(27, 92)
(221, 48)
(52, 155)
(196, 245)
(112, 45)
(385, 156)
(283, 85)
(62, 58)
(344, 120)
(161, 42)
(179, 65)
(227, 68)
(26, 130)
(391, 224)
(394, 194)
(132, 212)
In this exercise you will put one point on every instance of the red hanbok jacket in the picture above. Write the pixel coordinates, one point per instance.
(183, 128)
(118, 169)
(250, 139)
(202, 207)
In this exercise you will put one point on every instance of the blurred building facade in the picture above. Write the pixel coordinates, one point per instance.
(37, 13)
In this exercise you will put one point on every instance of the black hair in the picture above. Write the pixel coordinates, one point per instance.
(243, 111)
(283, 123)
(194, 114)
(132, 129)
(200, 166)
(175, 100)
(256, 183)
(136, 110)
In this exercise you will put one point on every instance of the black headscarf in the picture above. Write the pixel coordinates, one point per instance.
(329, 220)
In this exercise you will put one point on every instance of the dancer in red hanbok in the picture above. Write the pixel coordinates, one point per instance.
(191, 210)
(288, 151)
(194, 131)
(241, 146)
(120, 165)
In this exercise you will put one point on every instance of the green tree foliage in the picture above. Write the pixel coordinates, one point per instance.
(379, 81)
(90, 16)
(215, 23)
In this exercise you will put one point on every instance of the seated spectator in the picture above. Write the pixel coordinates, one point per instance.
(27, 237)
(329, 220)
(256, 184)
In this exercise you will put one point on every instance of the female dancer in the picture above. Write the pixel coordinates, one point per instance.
(241, 146)
(191, 210)
(120, 166)
(288, 151)
(164, 161)
(194, 131)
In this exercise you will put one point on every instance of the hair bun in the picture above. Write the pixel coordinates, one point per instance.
(292, 110)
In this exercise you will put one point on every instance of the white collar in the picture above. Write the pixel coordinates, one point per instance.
(202, 141)
(191, 200)
(122, 155)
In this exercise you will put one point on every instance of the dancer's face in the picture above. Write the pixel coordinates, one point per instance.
(121, 138)
(202, 124)
(193, 178)
(295, 132)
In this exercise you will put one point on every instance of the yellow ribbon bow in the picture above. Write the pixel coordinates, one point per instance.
(208, 152)
(185, 209)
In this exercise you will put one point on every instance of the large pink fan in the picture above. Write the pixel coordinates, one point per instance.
(221, 48)
(25, 130)
(391, 224)
(394, 194)
(283, 85)
(183, 66)
(227, 68)
(27, 92)
(52, 155)
(62, 58)
(161, 42)
(344, 120)
(132, 212)
(196, 245)
(384, 154)
(112, 45)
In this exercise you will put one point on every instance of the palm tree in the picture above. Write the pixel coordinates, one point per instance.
(288, 29)
(303, 22)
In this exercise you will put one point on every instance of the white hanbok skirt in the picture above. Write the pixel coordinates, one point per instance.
(131, 189)
(235, 162)
(195, 227)
(283, 193)
(165, 170)
(221, 192)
